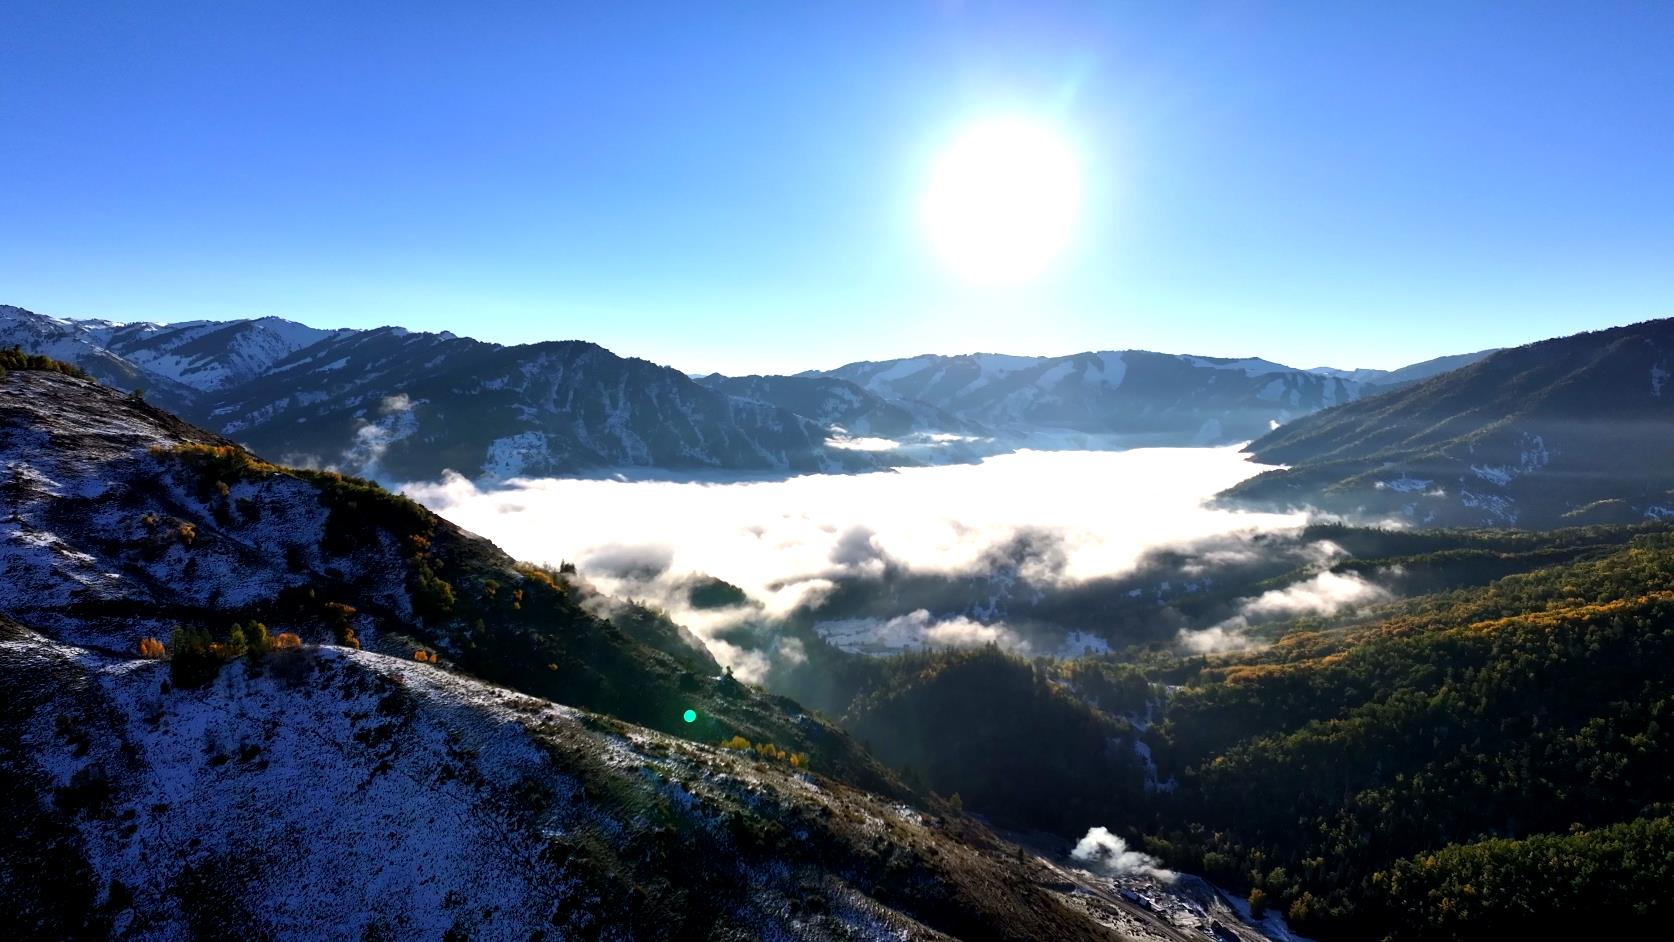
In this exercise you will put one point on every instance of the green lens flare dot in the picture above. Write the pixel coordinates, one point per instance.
(690, 716)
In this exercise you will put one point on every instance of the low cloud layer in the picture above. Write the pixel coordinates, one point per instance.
(1327, 593)
(788, 543)
(917, 629)
(1107, 853)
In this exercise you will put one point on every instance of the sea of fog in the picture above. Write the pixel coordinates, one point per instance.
(785, 541)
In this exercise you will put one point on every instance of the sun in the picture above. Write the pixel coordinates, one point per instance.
(1002, 200)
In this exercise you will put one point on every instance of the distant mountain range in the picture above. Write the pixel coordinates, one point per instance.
(1573, 430)
(409, 405)
(1406, 375)
(1132, 396)
(405, 405)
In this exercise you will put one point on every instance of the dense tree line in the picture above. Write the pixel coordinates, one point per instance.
(14, 358)
(1586, 884)
(1537, 705)
(1002, 732)
(1364, 775)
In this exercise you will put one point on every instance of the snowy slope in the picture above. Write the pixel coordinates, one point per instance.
(325, 794)
(211, 355)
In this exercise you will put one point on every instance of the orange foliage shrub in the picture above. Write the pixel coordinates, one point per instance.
(151, 647)
(536, 574)
(766, 750)
(286, 641)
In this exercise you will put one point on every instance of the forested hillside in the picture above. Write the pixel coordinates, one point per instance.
(1370, 776)
(1312, 770)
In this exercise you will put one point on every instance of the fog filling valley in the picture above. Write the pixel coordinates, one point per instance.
(1058, 552)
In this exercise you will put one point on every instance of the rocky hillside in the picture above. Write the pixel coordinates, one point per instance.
(124, 522)
(1573, 430)
(333, 793)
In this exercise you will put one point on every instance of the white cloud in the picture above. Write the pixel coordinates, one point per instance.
(914, 630)
(1326, 593)
(1226, 636)
(1110, 853)
(395, 422)
(786, 542)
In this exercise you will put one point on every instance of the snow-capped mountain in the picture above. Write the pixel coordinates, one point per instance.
(1567, 431)
(1134, 396)
(410, 405)
(82, 342)
(209, 356)
(404, 404)
(840, 404)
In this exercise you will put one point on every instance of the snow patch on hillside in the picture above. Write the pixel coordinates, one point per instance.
(516, 455)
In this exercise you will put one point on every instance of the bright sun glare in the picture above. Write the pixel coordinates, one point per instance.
(1002, 200)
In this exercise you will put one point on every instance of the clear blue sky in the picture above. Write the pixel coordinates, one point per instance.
(736, 188)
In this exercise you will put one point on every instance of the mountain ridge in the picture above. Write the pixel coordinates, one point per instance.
(1515, 439)
(405, 405)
